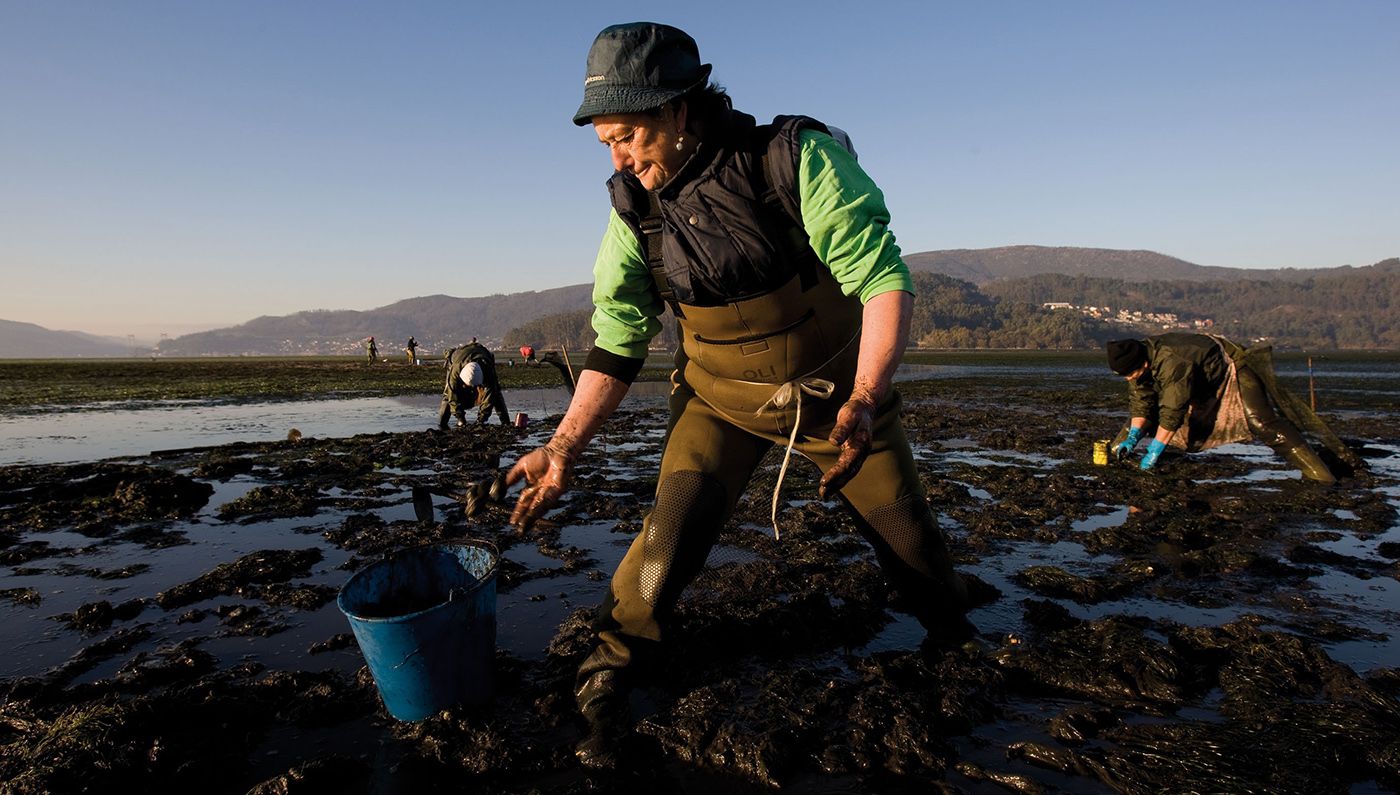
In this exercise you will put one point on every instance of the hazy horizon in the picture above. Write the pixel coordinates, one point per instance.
(148, 333)
(174, 167)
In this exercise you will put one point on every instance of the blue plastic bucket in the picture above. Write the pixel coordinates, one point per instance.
(425, 619)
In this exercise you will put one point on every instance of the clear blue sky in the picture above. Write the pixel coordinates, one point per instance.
(172, 165)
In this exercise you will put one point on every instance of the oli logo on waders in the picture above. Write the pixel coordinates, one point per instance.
(760, 374)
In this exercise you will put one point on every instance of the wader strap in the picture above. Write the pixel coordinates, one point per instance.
(788, 394)
(785, 395)
(651, 227)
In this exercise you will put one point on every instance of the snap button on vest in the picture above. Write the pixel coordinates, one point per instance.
(694, 220)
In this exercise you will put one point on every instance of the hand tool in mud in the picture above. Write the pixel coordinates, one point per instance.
(484, 492)
(490, 493)
(423, 504)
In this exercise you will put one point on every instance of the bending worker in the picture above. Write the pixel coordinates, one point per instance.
(794, 307)
(471, 381)
(1196, 391)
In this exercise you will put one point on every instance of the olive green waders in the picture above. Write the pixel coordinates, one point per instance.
(1277, 432)
(706, 467)
(710, 455)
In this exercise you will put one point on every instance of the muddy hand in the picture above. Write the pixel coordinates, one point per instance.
(1124, 448)
(546, 472)
(852, 435)
(1149, 458)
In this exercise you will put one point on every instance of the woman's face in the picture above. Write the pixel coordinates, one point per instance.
(645, 145)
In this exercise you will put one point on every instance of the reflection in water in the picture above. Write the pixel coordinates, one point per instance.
(94, 434)
(530, 613)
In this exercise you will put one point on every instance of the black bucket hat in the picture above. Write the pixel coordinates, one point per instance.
(1126, 356)
(639, 66)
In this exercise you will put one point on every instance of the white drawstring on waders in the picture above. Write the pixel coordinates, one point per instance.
(789, 393)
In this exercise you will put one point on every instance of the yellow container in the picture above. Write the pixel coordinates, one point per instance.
(1101, 452)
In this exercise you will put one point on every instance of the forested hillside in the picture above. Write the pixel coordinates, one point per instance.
(949, 313)
(1339, 308)
(983, 265)
(978, 305)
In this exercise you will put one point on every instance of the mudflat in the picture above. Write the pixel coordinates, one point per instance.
(1215, 625)
(36, 385)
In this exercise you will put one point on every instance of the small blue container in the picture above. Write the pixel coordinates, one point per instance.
(425, 619)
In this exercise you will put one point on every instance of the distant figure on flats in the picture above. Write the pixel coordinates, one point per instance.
(471, 381)
(412, 349)
(1198, 391)
(527, 352)
(371, 351)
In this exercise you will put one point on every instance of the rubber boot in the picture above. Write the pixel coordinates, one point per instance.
(603, 704)
(444, 411)
(1277, 432)
(1285, 439)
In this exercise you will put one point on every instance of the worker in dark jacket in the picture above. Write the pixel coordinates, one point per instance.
(459, 390)
(1196, 391)
(471, 381)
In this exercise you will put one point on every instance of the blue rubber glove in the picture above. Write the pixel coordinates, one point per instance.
(1126, 446)
(1149, 458)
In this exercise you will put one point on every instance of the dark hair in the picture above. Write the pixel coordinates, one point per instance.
(706, 103)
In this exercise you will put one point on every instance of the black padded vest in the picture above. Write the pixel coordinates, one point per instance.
(729, 220)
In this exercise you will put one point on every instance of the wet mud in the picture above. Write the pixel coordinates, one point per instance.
(1216, 625)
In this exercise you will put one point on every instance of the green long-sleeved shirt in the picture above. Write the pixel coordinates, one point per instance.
(843, 212)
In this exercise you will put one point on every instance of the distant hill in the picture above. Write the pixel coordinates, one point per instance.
(1292, 305)
(983, 265)
(1269, 299)
(28, 341)
(436, 321)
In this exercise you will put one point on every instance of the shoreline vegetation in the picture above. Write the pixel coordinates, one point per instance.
(41, 385)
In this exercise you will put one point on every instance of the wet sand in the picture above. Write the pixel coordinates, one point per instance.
(1217, 625)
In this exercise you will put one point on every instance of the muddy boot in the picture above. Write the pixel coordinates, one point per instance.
(1284, 438)
(1307, 461)
(952, 635)
(603, 704)
(444, 411)
(1277, 432)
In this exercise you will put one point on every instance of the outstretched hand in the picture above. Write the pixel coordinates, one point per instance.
(1149, 458)
(852, 434)
(1124, 448)
(546, 471)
